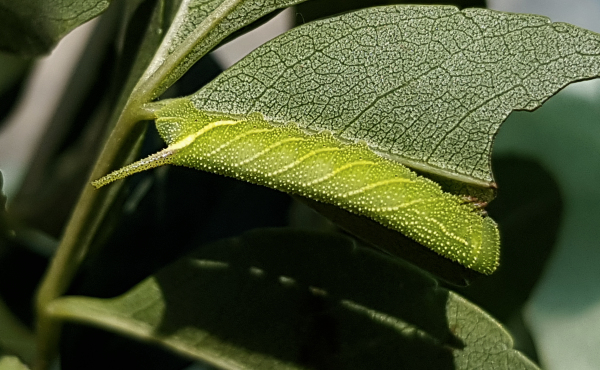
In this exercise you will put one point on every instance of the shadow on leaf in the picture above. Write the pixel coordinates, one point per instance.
(310, 299)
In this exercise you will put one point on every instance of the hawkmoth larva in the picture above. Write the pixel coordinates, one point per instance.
(320, 167)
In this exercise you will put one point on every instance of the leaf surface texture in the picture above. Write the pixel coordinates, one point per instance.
(427, 86)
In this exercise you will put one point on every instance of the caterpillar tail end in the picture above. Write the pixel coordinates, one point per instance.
(490, 257)
(155, 160)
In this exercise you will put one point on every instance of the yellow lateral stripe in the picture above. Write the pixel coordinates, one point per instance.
(190, 138)
(372, 186)
(268, 149)
(401, 205)
(237, 138)
(338, 170)
(445, 231)
(302, 159)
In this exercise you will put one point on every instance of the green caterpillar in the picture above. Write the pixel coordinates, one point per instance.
(320, 167)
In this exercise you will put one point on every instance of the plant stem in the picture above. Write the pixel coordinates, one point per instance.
(81, 228)
(158, 70)
(93, 204)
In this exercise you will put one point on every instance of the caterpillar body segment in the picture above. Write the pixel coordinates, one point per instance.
(320, 167)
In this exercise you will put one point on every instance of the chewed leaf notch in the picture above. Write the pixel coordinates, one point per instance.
(321, 167)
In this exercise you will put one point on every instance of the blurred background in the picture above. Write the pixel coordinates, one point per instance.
(559, 143)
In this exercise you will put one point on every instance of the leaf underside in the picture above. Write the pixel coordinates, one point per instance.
(296, 300)
(427, 86)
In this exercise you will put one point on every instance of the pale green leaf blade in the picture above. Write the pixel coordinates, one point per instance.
(33, 27)
(487, 344)
(284, 299)
(198, 27)
(11, 363)
(427, 86)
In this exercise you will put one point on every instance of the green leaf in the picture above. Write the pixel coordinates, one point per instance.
(427, 86)
(198, 27)
(487, 344)
(33, 27)
(290, 299)
(11, 363)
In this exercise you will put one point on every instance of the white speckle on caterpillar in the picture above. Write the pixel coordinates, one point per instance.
(320, 167)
